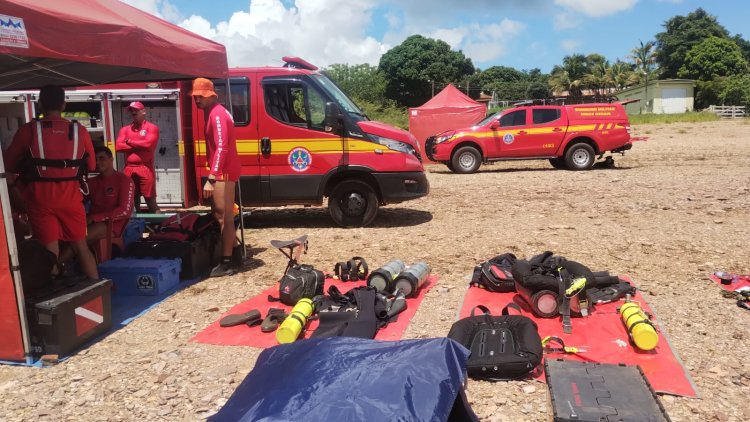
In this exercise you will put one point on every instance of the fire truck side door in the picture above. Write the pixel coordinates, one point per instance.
(295, 150)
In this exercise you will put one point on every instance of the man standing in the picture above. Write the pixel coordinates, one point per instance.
(224, 167)
(138, 141)
(111, 195)
(51, 156)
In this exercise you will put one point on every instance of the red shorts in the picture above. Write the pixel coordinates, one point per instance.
(61, 222)
(143, 178)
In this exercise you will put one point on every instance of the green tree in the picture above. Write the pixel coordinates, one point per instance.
(644, 58)
(735, 90)
(744, 46)
(680, 35)
(362, 81)
(713, 57)
(413, 66)
(620, 75)
(570, 76)
(538, 90)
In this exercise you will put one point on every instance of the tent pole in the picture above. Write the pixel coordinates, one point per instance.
(10, 235)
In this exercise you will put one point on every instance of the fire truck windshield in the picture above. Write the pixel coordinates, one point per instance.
(341, 99)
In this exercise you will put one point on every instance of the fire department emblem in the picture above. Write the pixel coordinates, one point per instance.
(143, 132)
(300, 159)
(145, 282)
(508, 138)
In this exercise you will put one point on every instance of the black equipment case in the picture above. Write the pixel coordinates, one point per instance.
(595, 392)
(198, 256)
(68, 314)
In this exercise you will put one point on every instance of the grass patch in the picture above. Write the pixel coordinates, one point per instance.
(650, 118)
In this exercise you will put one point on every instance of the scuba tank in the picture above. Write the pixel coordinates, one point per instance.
(292, 326)
(412, 279)
(382, 278)
(640, 328)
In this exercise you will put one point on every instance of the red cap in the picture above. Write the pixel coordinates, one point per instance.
(136, 105)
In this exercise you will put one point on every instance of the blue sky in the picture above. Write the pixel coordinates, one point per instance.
(523, 34)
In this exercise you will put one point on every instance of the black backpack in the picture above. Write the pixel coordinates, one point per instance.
(185, 226)
(502, 347)
(300, 281)
(494, 275)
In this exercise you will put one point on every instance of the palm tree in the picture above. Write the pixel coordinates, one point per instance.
(644, 58)
(597, 80)
(620, 75)
(569, 76)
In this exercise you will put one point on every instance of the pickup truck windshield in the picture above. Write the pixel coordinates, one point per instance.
(487, 119)
(343, 101)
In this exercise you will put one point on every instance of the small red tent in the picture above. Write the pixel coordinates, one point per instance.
(449, 109)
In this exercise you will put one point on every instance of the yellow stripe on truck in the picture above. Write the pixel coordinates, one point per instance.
(315, 145)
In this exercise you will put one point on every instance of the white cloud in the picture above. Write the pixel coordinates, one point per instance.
(160, 8)
(565, 20)
(597, 8)
(322, 33)
(570, 46)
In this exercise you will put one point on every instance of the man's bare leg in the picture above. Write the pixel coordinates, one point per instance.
(222, 206)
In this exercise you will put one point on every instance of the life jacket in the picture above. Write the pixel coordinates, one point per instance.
(54, 161)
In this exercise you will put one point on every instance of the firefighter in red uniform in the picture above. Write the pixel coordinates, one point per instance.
(224, 167)
(51, 156)
(138, 141)
(111, 197)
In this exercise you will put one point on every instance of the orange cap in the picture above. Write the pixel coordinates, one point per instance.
(203, 87)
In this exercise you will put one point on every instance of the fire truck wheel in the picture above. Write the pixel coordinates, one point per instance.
(466, 160)
(558, 163)
(353, 203)
(580, 157)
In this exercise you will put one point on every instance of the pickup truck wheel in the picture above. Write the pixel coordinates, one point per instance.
(580, 157)
(558, 163)
(353, 203)
(466, 160)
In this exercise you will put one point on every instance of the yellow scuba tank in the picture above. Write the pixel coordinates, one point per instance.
(641, 330)
(292, 326)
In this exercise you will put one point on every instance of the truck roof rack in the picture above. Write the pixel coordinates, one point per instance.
(523, 103)
(298, 63)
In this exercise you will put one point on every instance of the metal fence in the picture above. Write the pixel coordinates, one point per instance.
(728, 112)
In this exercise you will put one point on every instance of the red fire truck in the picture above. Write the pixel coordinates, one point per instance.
(300, 140)
(570, 136)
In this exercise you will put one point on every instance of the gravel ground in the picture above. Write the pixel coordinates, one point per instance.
(673, 210)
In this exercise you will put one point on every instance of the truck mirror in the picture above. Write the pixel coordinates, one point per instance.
(494, 124)
(333, 117)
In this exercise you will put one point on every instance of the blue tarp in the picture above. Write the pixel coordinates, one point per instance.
(351, 379)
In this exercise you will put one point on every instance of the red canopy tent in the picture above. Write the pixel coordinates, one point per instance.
(449, 109)
(74, 43)
(89, 42)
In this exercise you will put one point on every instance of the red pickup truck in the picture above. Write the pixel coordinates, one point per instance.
(569, 136)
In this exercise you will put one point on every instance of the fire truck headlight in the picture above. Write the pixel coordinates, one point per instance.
(394, 144)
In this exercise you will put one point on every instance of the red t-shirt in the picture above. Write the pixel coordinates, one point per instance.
(138, 142)
(111, 197)
(221, 145)
(51, 194)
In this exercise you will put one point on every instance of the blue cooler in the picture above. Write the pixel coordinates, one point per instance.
(141, 277)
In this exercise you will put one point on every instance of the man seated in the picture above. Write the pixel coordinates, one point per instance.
(111, 198)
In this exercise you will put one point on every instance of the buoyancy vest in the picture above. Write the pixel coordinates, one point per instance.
(58, 159)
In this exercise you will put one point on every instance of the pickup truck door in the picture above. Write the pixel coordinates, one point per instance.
(546, 132)
(511, 135)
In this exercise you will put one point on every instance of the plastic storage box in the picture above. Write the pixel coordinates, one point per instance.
(68, 314)
(141, 277)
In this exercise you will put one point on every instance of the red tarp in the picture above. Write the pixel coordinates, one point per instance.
(741, 281)
(88, 42)
(604, 337)
(242, 335)
(449, 109)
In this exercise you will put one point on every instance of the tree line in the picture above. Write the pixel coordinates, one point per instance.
(695, 46)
